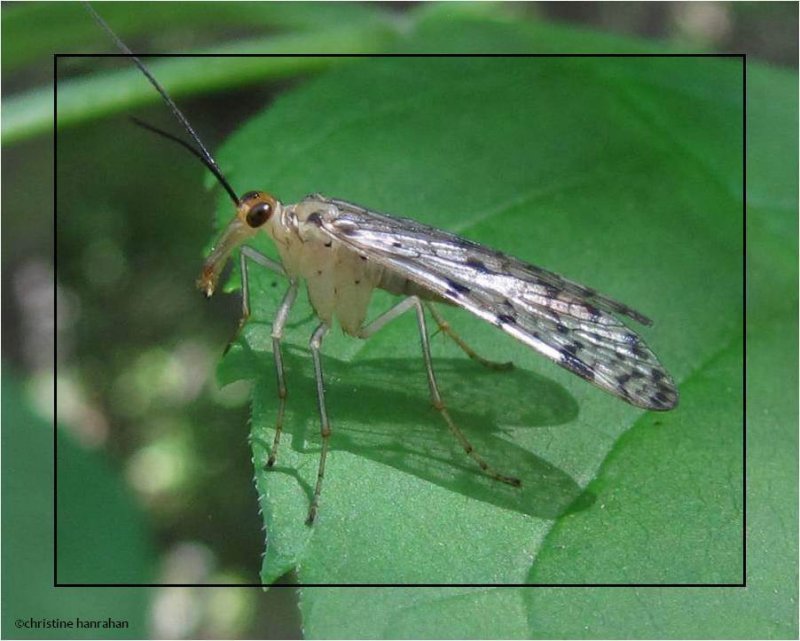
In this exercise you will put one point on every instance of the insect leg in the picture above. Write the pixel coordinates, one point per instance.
(445, 328)
(436, 397)
(261, 259)
(264, 261)
(277, 334)
(387, 317)
(325, 428)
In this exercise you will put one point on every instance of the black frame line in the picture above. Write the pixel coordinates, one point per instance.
(743, 584)
(402, 55)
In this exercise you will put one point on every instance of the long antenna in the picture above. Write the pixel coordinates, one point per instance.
(192, 150)
(201, 152)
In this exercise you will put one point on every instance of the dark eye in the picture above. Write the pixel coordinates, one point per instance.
(259, 214)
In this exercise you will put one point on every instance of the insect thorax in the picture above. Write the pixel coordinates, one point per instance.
(339, 279)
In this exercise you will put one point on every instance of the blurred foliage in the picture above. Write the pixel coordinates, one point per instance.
(237, 28)
(120, 552)
(766, 31)
(136, 343)
(355, 29)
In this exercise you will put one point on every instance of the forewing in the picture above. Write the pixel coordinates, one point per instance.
(570, 324)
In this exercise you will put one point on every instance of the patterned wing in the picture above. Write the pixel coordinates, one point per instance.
(572, 325)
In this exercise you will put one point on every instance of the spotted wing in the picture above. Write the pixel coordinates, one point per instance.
(572, 325)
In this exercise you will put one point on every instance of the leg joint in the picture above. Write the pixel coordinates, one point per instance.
(315, 342)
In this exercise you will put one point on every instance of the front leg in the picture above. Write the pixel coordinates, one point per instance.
(277, 334)
(260, 259)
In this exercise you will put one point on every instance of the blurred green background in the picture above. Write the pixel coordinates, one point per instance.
(144, 431)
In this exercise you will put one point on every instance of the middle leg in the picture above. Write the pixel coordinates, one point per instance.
(445, 328)
(325, 427)
(436, 397)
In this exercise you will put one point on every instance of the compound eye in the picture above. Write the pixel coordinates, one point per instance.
(259, 214)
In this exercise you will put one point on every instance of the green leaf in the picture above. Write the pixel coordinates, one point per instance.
(624, 174)
(559, 161)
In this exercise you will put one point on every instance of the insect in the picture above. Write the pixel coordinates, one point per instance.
(343, 252)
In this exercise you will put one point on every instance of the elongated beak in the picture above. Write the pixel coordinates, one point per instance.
(232, 236)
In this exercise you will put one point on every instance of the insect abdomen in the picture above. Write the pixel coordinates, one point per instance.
(354, 279)
(396, 284)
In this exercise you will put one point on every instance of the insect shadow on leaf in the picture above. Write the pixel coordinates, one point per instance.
(383, 414)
